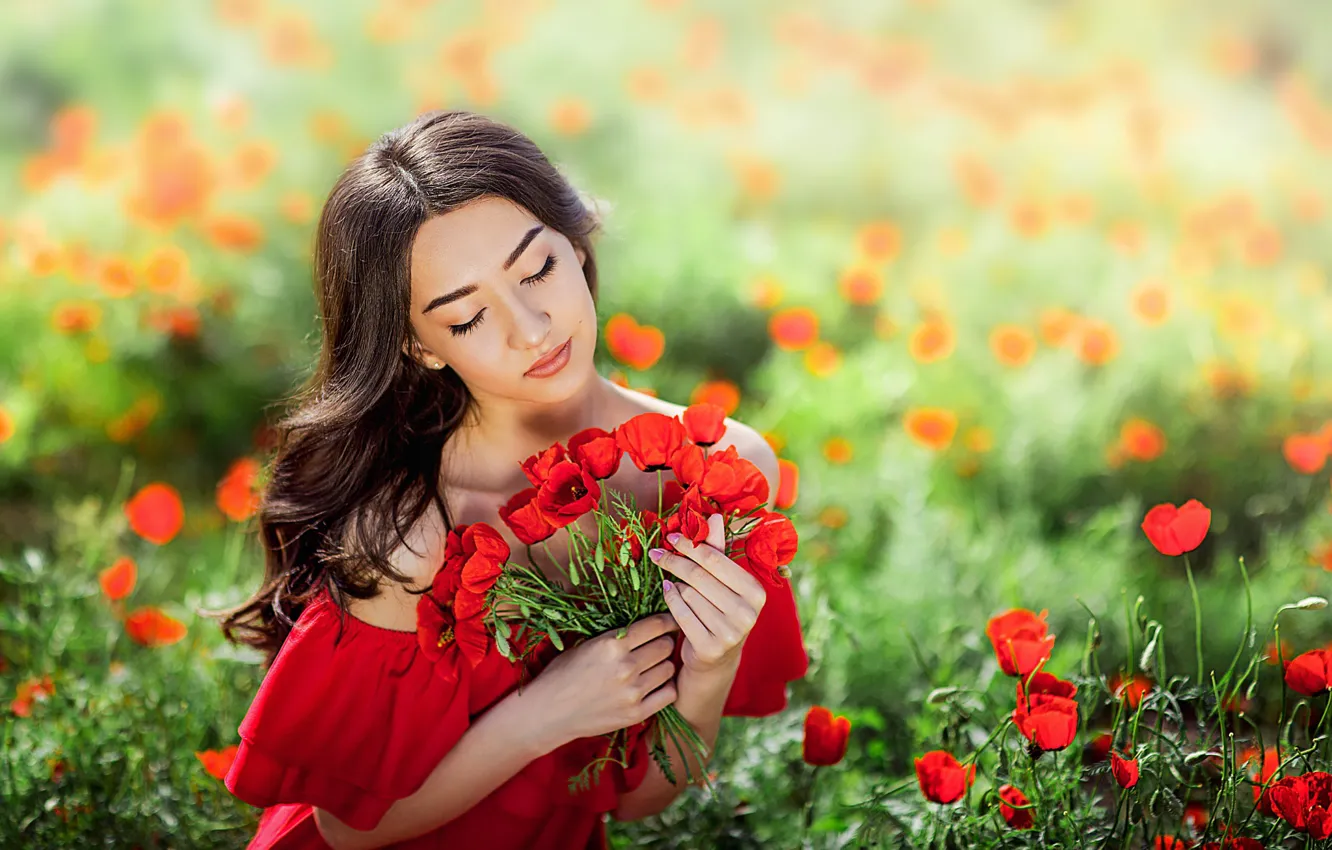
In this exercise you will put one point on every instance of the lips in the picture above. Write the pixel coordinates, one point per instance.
(549, 358)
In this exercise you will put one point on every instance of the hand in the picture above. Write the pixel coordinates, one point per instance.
(607, 683)
(717, 605)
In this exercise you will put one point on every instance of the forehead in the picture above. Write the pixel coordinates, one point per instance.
(468, 244)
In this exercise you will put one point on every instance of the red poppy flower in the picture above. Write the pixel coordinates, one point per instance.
(217, 762)
(1266, 770)
(1176, 530)
(704, 422)
(469, 629)
(1170, 842)
(1020, 640)
(651, 439)
(156, 513)
(691, 516)
(1048, 715)
(788, 485)
(672, 494)
(596, 451)
(1042, 682)
(1305, 802)
(1308, 672)
(569, 492)
(825, 738)
(117, 580)
(1124, 770)
(435, 625)
(1014, 817)
(770, 546)
(537, 467)
(1130, 690)
(1234, 842)
(524, 518)
(942, 778)
(649, 520)
(688, 463)
(734, 483)
(151, 626)
(237, 496)
(488, 555)
(1099, 747)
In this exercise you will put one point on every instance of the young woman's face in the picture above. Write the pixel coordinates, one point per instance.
(493, 291)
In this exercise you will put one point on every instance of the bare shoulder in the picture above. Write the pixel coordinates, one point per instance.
(748, 442)
(394, 607)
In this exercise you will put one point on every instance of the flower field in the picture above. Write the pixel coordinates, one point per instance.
(1032, 301)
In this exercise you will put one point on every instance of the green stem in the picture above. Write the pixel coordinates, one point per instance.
(1197, 618)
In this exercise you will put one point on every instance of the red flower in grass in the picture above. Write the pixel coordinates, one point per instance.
(1020, 640)
(151, 626)
(1098, 748)
(1305, 802)
(650, 440)
(217, 762)
(1176, 530)
(942, 778)
(1235, 842)
(524, 518)
(1267, 769)
(1308, 672)
(31, 691)
(1130, 690)
(1017, 818)
(688, 463)
(825, 738)
(596, 451)
(1047, 714)
(704, 422)
(1169, 842)
(1125, 770)
(691, 517)
(770, 546)
(156, 513)
(117, 580)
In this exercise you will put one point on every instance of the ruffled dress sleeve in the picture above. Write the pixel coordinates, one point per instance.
(349, 718)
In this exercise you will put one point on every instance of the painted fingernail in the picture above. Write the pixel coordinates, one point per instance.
(673, 537)
(655, 554)
(666, 585)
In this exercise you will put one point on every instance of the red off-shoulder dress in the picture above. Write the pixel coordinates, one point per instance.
(351, 717)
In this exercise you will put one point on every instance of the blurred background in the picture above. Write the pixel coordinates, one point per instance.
(993, 278)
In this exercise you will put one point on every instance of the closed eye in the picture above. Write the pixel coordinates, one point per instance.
(463, 330)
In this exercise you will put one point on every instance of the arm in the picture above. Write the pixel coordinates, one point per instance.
(702, 696)
(494, 748)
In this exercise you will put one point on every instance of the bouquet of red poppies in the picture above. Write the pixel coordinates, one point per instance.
(609, 582)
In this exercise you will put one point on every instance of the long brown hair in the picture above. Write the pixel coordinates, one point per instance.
(357, 460)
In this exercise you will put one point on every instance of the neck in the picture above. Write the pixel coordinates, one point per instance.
(503, 433)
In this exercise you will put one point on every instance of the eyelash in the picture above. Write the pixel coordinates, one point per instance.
(463, 330)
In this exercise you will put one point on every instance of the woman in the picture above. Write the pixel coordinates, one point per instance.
(456, 284)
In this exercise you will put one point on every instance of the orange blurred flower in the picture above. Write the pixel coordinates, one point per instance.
(1132, 689)
(217, 762)
(788, 484)
(1013, 346)
(1151, 303)
(931, 427)
(822, 359)
(637, 346)
(838, 450)
(570, 116)
(156, 513)
(238, 492)
(1306, 453)
(73, 317)
(6, 425)
(645, 85)
(151, 626)
(932, 340)
(118, 580)
(1142, 440)
(860, 285)
(794, 328)
(765, 292)
(879, 241)
(721, 392)
(29, 691)
(233, 232)
(166, 268)
(1098, 343)
(115, 276)
(1058, 325)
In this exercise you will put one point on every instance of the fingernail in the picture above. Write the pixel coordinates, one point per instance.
(673, 537)
(655, 554)
(666, 585)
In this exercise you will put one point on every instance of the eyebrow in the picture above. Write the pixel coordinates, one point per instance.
(464, 291)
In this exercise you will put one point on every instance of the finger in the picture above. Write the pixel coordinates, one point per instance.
(735, 577)
(690, 625)
(716, 532)
(692, 573)
(658, 699)
(722, 628)
(653, 652)
(656, 676)
(641, 631)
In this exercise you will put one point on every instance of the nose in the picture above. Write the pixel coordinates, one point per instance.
(531, 324)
